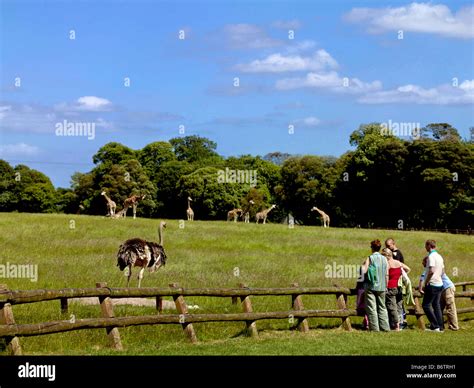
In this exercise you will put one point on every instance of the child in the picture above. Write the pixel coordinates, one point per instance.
(360, 304)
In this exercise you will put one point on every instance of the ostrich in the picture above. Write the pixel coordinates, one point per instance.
(140, 253)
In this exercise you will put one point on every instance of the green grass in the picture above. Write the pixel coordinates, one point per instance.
(204, 254)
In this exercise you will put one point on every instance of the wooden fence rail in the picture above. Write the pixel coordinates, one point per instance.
(10, 330)
(33, 296)
(52, 327)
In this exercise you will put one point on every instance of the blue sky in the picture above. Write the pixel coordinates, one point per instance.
(345, 66)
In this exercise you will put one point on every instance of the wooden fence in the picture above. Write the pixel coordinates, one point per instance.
(297, 315)
(468, 231)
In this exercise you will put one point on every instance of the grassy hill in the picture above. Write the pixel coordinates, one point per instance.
(78, 251)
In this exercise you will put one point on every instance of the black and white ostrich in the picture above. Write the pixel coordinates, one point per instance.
(140, 253)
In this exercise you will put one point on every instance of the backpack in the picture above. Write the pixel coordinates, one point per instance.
(372, 273)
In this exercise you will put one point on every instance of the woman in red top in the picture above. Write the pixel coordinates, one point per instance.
(393, 298)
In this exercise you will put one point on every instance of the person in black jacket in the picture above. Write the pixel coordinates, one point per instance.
(398, 255)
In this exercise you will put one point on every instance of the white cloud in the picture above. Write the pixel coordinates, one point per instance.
(26, 118)
(290, 105)
(35, 118)
(467, 85)
(372, 93)
(17, 150)
(416, 17)
(309, 122)
(242, 36)
(287, 24)
(320, 67)
(300, 46)
(330, 81)
(413, 94)
(92, 103)
(107, 125)
(86, 104)
(4, 109)
(278, 63)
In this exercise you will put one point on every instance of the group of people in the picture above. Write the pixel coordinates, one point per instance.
(384, 285)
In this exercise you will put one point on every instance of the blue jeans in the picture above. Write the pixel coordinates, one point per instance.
(432, 306)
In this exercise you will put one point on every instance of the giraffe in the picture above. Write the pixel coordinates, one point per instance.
(264, 213)
(234, 213)
(247, 211)
(324, 216)
(190, 212)
(119, 214)
(80, 209)
(133, 202)
(111, 205)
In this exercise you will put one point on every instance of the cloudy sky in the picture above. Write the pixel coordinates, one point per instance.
(240, 73)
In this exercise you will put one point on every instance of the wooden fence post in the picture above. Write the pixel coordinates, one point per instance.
(235, 300)
(251, 326)
(159, 304)
(107, 309)
(297, 304)
(341, 304)
(6, 318)
(465, 288)
(182, 309)
(419, 314)
(64, 305)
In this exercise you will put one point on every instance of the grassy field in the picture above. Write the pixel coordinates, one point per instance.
(207, 254)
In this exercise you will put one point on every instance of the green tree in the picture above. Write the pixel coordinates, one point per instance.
(211, 198)
(195, 149)
(261, 199)
(121, 175)
(84, 190)
(8, 200)
(440, 131)
(67, 201)
(387, 182)
(121, 181)
(370, 189)
(169, 203)
(305, 182)
(33, 190)
(440, 176)
(267, 173)
(154, 155)
(277, 157)
(113, 153)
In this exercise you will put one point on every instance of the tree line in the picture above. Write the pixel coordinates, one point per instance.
(385, 181)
